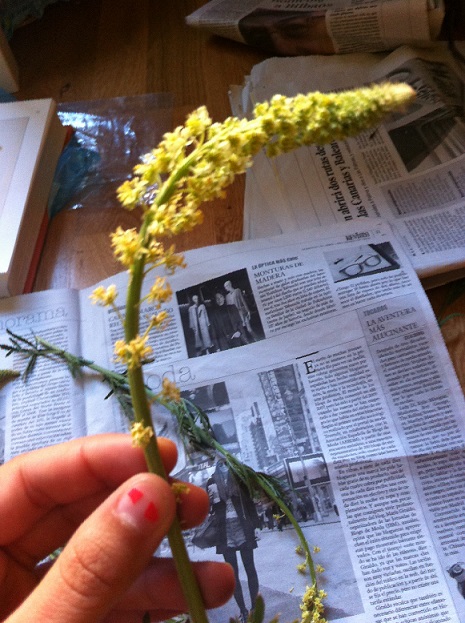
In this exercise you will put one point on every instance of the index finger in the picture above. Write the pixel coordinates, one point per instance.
(36, 482)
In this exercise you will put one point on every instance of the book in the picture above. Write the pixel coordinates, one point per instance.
(317, 359)
(9, 73)
(31, 140)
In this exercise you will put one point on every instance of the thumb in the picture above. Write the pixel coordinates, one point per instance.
(105, 555)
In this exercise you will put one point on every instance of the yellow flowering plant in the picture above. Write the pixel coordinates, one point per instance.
(192, 165)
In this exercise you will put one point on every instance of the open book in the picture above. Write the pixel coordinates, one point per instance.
(317, 359)
(292, 28)
(410, 170)
(31, 140)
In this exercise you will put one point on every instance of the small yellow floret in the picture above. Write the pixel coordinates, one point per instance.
(170, 391)
(311, 606)
(133, 354)
(160, 320)
(126, 245)
(179, 488)
(160, 292)
(141, 434)
(104, 296)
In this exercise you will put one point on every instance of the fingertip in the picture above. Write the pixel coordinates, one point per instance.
(168, 452)
(217, 582)
(193, 504)
(146, 503)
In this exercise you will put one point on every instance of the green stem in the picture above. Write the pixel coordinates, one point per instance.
(142, 414)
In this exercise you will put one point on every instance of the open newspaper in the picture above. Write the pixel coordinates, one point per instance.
(410, 171)
(318, 360)
(294, 27)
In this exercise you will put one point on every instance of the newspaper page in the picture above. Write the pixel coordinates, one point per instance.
(329, 372)
(409, 171)
(49, 408)
(298, 27)
(318, 360)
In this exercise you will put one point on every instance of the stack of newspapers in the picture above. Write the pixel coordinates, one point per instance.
(409, 171)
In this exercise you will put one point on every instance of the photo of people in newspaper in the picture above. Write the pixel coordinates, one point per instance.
(219, 314)
(264, 418)
(364, 260)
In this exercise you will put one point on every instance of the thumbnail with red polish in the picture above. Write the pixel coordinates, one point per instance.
(136, 508)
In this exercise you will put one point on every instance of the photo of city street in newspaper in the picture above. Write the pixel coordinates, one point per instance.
(264, 418)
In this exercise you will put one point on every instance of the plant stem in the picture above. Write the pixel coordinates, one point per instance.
(142, 414)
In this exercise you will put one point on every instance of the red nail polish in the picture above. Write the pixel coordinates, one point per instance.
(135, 508)
(135, 495)
(151, 512)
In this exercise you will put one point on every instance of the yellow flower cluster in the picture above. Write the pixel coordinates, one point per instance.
(197, 161)
(126, 246)
(319, 118)
(170, 391)
(207, 156)
(311, 606)
(179, 489)
(141, 434)
(104, 296)
(160, 292)
(134, 353)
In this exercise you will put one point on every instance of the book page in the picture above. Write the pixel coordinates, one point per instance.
(11, 137)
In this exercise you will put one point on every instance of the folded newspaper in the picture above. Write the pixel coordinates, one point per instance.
(409, 171)
(317, 359)
(295, 27)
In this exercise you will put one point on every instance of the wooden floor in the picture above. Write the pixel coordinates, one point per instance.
(93, 49)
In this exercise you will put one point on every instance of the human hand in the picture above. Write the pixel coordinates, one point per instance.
(95, 495)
